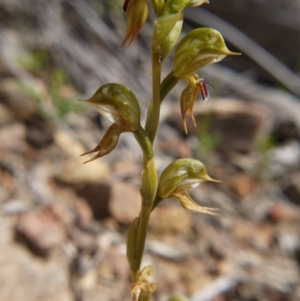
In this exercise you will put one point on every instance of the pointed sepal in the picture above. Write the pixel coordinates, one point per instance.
(118, 104)
(186, 202)
(199, 48)
(107, 144)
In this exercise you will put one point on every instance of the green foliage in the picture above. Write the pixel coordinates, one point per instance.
(35, 61)
(38, 62)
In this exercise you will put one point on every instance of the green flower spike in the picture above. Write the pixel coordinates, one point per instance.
(107, 144)
(199, 48)
(136, 15)
(181, 176)
(119, 105)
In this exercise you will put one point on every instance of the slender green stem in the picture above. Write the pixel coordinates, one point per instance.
(157, 200)
(156, 75)
(167, 85)
(145, 144)
(148, 188)
(142, 232)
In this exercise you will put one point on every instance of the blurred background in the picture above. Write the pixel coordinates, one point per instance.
(63, 224)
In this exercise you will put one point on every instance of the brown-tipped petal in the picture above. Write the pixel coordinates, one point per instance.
(131, 34)
(183, 117)
(99, 155)
(190, 110)
(136, 16)
(96, 149)
(187, 100)
(188, 203)
(107, 144)
(134, 34)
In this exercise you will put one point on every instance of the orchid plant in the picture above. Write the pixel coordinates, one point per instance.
(199, 48)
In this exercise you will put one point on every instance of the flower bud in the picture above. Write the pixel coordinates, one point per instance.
(189, 95)
(168, 27)
(158, 6)
(163, 26)
(145, 284)
(181, 176)
(119, 105)
(175, 6)
(107, 144)
(171, 39)
(199, 48)
(136, 15)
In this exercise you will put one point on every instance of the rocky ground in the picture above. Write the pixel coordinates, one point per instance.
(63, 224)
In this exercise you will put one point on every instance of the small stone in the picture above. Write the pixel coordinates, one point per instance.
(232, 125)
(284, 158)
(73, 171)
(5, 115)
(84, 214)
(21, 106)
(119, 200)
(41, 230)
(97, 197)
(125, 202)
(293, 189)
(25, 278)
(12, 137)
(170, 220)
(39, 131)
(242, 185)
(175, 147)
(282, 210)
